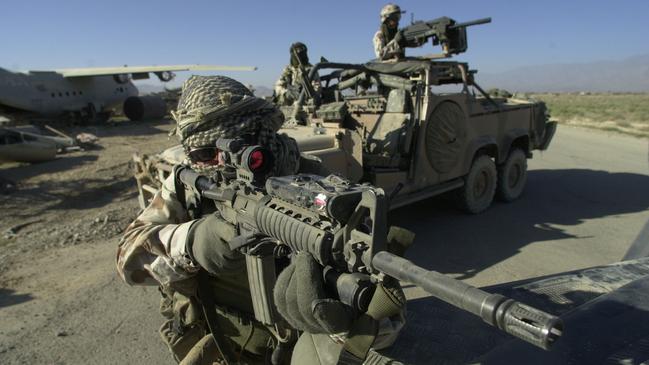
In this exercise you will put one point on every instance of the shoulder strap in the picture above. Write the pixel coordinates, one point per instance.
(364, 330)
(179, 187)
(207, 304)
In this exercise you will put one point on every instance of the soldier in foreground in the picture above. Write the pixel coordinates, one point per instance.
(295, 74)
(180, 243)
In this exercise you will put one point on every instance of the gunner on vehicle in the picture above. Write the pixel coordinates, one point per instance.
(386, 45)
(295, 74)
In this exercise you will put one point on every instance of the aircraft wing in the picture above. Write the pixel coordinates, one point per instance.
(106, 71)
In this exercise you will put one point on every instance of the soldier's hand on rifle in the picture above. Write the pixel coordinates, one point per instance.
(302, 301)
(209, 250)
(293, 92)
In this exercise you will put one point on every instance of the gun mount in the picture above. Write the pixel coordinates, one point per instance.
(444, 31)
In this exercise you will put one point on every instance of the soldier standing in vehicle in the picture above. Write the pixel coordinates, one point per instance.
(386, 45)
(388, 42)
(290, 82)
(180, 243)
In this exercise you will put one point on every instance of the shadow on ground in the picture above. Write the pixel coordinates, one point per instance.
(141, 128)
(22, 172)
(8, 298)
(78, 194)
(451, 241)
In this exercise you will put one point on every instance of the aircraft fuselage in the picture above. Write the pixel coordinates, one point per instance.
(49, 93)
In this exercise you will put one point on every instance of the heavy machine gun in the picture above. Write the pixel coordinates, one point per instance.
(445, 31)
(344, 227)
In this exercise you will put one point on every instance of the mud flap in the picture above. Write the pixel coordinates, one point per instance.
(550, 129)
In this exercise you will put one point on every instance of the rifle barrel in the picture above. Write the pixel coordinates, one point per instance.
(530, 324)
(470, 23)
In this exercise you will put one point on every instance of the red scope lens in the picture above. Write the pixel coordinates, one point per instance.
(256, 160)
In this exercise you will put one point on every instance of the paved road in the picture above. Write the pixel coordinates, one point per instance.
(586, 201)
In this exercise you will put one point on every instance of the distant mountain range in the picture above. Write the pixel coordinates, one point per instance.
(145, 89)
(628, 75)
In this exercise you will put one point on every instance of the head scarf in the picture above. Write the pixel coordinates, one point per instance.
(213, 107)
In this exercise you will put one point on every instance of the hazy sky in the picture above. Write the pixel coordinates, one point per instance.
(59, 34)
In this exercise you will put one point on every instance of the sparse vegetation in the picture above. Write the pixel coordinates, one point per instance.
(623, 113)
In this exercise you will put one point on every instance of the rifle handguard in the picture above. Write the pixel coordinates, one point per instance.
(299, 236)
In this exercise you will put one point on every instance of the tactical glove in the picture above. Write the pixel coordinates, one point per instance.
(293, 92)
(301, 299)
(209, 250)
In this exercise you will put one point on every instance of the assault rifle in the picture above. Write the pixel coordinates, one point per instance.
(305, 81)
(307, 92)
(445, 31)
(344, 227)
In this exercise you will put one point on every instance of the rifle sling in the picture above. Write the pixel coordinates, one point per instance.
(365, 329)
(223, 345)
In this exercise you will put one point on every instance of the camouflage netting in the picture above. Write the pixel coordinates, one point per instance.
(213, 107)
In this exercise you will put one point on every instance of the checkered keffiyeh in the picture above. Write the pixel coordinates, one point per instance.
(213, 107)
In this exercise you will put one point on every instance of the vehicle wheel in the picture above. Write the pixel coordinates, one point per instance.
(479, 186)
(512, 176)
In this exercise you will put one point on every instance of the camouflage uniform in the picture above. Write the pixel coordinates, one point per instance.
(385, 48)
(153, 252)
(288, 85)
(154, 249)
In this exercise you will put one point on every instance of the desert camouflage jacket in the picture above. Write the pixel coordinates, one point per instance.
(291, 77)
(152, 250)
(384, 49)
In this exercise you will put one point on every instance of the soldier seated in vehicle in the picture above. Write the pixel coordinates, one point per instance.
(291, 81)
(180, 243)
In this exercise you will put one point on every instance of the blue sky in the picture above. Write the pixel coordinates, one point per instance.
(59, 34)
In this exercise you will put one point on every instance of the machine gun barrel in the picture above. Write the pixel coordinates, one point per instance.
(470, 23)
(530, 324)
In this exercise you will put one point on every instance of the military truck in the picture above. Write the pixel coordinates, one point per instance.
(396, 131)
(386, 124)
(396, 125)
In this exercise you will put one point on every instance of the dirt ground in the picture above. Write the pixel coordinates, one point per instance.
(58, 234)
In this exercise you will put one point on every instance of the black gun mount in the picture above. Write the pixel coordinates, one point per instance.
(445, 31)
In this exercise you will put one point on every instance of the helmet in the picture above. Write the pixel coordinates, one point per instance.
(299, 50)
(298, 47)
(390, 10)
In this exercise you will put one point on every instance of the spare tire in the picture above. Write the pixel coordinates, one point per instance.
(445, 137)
